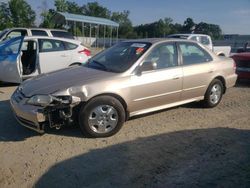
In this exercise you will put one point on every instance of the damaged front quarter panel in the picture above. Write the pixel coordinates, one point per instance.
(60, 111)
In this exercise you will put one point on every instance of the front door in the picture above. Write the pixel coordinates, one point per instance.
(10, 60)
(162, 86)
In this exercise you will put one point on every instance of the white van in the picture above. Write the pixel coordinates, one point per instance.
(22, 58)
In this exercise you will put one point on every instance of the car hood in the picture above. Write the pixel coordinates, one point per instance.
(62, 79)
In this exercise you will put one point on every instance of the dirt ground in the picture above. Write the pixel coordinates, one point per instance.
(187, 146)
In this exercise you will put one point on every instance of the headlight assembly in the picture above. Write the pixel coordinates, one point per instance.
(40, 100)
(49, 100)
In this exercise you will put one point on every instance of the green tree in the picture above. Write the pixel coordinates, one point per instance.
(73, 8)
(21, 13)
(188, 25)
(47, 18)
(5, 16)
(160, 28)
(95, 9)
(61, 5)
(125, 25)
(210, 29)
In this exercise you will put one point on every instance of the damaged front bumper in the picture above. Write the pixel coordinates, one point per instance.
(38, 118)
(29, 116)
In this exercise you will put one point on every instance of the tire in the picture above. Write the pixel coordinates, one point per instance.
(101, 117)
(213, 94)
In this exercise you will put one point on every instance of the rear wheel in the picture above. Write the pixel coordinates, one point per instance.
(101, 117)
(213, 94)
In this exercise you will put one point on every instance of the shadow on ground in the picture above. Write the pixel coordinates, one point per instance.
(217, 157)
(4, 84)
(10, 130)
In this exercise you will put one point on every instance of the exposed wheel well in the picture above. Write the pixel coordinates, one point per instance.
(221, 54)
(223, 82)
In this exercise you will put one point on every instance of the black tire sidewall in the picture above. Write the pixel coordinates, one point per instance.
(207, 101)
(93, 103)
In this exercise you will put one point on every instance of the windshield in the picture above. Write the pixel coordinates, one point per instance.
(120, 57)
(3, 33)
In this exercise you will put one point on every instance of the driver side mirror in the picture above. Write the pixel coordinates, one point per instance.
(147, 66)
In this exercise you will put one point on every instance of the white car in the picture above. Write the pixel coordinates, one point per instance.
(22, 58)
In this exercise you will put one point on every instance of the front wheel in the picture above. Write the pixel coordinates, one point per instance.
(101, 117)
(213, 94)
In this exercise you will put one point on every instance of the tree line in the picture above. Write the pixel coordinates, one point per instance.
(18, 13)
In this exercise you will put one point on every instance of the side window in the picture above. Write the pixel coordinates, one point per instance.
(38, 33)
(48, 45)
(163, 56)
(29, 46)
(194, 38)
(16, 33)
(10, 49)
(70, 46)
(204, 40)
(193, 54)
(62, 34)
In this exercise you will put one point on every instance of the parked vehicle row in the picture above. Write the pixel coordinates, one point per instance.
(22, 58)
(16, 32)
(128, 79)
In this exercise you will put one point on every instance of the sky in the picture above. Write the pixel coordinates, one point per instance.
(233, 16)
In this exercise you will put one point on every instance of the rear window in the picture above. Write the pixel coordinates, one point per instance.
(204, 40)
(62, 34)
(39, 33)
(70, 46)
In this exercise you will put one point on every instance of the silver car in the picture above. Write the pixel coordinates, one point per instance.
(129, 79)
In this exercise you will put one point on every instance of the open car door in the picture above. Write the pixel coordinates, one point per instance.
(10, 60)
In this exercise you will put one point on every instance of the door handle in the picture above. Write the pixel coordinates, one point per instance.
(211, 71)
(64, 55)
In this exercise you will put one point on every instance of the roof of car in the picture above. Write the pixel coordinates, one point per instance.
(157, 40)
(36, 28)
(187, 34)
(55, 38)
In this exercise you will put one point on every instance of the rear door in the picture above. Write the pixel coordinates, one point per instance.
(197, 70)
(53, 55)
(10, 60)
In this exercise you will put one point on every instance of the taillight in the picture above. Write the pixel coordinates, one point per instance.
(234, 66)
(86, 52)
